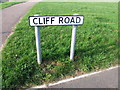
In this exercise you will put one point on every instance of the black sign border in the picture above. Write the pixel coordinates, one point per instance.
(56, 16)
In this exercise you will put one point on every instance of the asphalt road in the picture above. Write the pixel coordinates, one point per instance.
(11, 16)
(106, 79)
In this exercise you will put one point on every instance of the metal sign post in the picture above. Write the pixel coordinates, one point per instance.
(38, 44)
(72, 49)
(73, 41)
(37, 21)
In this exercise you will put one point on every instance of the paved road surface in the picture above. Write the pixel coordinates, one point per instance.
(11, 16)
(107, 79)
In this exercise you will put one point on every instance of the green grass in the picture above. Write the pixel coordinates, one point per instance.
(80, 1)
(96, 45)
(8, 4)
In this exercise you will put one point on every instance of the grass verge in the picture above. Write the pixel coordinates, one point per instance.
(96, 45)
(8, 4)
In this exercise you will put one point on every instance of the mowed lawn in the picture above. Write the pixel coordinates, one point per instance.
(8, 4)
(96, 45)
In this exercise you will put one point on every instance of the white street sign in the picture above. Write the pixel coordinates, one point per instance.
(55, 20)
(37, 21)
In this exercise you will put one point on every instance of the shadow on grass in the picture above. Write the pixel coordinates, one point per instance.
(81, 53)
(96, 50)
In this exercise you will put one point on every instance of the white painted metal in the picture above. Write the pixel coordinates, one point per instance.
(38, 44)
(55, 20)
(37, 21)
(73, 41)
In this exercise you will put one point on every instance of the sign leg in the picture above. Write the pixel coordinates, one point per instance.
(38, 44)
(73, 42)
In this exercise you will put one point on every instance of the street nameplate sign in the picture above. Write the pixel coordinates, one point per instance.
(55, 20)
(37, 21)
